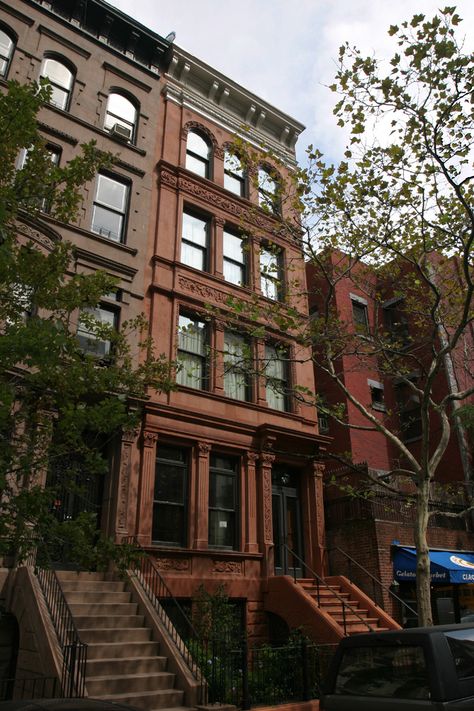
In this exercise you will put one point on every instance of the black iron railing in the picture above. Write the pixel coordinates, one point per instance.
(320, 584)
(376, 585)
(74, 651)
(41, 687)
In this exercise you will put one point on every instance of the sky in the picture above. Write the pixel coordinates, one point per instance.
(285, 51)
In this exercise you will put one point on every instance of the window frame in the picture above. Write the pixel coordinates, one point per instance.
(7, 59)
(359, 307)
(184, 465)
(266, 278)
(284, 350)
(205, 161)
(67, 91)
(203, 249)
(409, 412)
(233, 474)
(243, 266)
(132, 125)
(238, 177)
(203, 379)
(123, 214)
(90, 338)
(268, 200)
(237, 370)
(376, 389)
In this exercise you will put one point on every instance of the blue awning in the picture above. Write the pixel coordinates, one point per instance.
(445, 566)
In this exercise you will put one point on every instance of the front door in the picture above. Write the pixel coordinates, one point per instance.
(287, 536)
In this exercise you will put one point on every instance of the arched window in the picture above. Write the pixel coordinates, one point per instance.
(267, 190)
(61, 79)
(198, 154)
(120, 117)
(7, 45)
(234, 174)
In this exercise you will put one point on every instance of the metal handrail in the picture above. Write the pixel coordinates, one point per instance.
(192, 649)
(375, 580)
(321, 582)
(73, 649)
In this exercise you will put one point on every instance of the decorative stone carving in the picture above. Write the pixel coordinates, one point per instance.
(227, 566)
(35, 235)
(220, 222)
(207, 293)
(267, 458)
(168, 178)
(125, 466)
(204, 449)
(150, 439)
(196, 126)
(177, 564)
(252, 457)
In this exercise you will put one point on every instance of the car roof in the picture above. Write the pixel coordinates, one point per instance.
(401, 636)
(70, 704)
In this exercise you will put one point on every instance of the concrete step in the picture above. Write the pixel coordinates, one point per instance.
(123, 635)
(103, 586)
(119, 650)
(129, 683)
(108, 621)
(148, 700)
(130, 665)
(83, 575)
(97, 597)
(83, 609)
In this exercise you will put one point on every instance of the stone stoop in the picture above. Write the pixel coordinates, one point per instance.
(332, 605)
(123, 661)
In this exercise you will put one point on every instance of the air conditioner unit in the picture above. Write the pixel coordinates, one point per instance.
(121, 131)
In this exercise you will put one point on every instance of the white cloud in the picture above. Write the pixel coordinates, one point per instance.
(285, 52)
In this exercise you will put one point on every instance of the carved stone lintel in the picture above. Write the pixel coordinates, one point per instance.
(177, 564)
(227, 566)
(168, 178)
(150, 438)
(207, 293)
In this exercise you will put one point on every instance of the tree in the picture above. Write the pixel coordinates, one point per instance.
(395, 218)
(60, 403)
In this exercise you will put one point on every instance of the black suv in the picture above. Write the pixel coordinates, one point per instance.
(418, 668)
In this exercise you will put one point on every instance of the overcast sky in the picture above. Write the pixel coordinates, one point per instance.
(285, 51)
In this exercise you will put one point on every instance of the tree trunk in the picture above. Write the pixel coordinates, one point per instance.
(423, 578)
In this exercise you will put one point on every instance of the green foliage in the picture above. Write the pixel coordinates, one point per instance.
(60, 408)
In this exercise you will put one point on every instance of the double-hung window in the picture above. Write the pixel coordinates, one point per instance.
(234, 175)
(95, 329)
(236, 365)
(409, 412)
(7, 46)
(198, 154)
(360, 315)
(109, 215)
(271, 272)
(223, 500)
(193, 352)
(276, 377)
(235, 258)
(120, 117)
(170, 496)
(195, 241)
(267, 190)
(61, 79)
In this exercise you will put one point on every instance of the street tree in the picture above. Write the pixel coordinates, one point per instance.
(61, 404)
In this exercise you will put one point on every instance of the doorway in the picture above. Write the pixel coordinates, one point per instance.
(286, 522)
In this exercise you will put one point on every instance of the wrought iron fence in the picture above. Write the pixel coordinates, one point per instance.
(74, 651)
(40, 687)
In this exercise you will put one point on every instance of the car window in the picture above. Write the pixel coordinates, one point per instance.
(399, 671)
(461, 645)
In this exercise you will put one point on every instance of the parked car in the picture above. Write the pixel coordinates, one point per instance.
(63, 705)
(411, 669)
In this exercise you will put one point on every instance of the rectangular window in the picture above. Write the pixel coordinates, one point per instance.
(193, 351)
(235, 259)
(276, 374)
(409, 412)
(396, 322)
(236, 366)
(109, 215)
(91, 339)
(360, 316)
(271, 272)
(170, 496)
(223, 501)
(377, 395)
(194, 241)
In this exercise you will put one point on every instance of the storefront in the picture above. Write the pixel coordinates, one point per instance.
(452, 583)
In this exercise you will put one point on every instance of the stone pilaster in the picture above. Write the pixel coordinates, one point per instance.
(147, 486)
(265, 533)
(201, 511)
(251, 542)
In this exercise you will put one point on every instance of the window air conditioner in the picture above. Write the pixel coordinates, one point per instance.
(121, 131)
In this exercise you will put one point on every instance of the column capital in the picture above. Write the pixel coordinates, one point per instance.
(204, 449)
(267, 459)
(149, 438)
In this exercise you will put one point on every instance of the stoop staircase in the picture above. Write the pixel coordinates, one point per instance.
(354, 618)
(123, 662)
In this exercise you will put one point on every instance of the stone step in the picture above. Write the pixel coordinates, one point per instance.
(124, 635)
(97, 597)
(353, 618)
(103, 586)
(83, 609)
(129, 683)
(108, 621)
(119, 650)
(130, 665)
(83, 575)
(149, 700)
